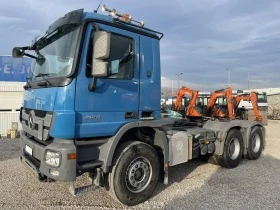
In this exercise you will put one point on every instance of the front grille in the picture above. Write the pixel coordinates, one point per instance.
(37, 123)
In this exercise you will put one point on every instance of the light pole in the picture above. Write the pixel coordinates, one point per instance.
(248, 82)
(178, 80)
(228, 70)
(172, 87)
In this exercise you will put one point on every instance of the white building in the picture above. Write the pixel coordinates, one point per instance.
(11, 95)
(13, 73)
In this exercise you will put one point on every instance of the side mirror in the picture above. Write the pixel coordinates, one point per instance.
(17, 53)
(100, 68)
(101, 52)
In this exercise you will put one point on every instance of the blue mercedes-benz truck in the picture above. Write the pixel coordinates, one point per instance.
(92, 106)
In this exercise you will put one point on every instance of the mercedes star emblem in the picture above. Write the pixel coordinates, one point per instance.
(31, 122)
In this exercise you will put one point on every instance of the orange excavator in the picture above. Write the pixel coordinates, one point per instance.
(191, 109)
(216, 111)
(252, 96)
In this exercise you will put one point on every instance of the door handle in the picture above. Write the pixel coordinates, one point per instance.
(130, 115)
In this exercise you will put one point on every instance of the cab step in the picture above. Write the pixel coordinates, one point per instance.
(81, 190)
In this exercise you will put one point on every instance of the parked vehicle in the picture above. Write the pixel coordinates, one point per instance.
(191, 110)
(216, 110)
(251, 97)
(92, 105)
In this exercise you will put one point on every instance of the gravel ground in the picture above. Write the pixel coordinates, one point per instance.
(9, 149)
(193, 185)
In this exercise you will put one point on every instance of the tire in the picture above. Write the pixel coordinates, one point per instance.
(233, 150)
(134, 174)
(256, 143)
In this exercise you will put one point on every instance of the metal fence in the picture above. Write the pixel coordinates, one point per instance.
(6, 119)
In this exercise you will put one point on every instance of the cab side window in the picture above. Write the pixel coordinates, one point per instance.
(120, 62)
(89, 55)
(121, 59)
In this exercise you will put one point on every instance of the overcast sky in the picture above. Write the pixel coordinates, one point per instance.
(202, 38)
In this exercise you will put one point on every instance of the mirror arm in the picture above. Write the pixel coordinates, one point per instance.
(31, 56)
(92, 85)
(96, 26)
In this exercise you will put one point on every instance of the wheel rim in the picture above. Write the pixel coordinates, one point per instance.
(256, 143)
(234, 148)
(138, 174)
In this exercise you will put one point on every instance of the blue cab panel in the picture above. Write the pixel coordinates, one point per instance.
(60, 102)
(80, 113)
(150, 85)
(103, 111)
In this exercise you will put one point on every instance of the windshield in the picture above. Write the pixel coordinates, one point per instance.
(262, 98)
(55, 53)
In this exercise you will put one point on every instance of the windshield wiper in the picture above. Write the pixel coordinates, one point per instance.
(28, 85)
(44, 77)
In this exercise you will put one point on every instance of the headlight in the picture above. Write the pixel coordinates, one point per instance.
(52, 158)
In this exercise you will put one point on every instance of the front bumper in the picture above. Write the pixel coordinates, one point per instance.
(34, 158)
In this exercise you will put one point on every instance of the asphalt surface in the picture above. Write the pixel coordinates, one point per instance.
(193, 185)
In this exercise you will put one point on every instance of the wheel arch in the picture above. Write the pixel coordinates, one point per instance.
(133, 131)
(223, 136)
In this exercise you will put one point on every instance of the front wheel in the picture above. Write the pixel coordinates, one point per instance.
(233, 150)
(135, 173)
(255, 145)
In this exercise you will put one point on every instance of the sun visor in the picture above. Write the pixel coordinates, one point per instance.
(73, 17)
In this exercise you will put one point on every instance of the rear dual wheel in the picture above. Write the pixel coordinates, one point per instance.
(256, 144)
(233, 147)
(233, 150)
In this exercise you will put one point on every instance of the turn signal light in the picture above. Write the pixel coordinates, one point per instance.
(126, 17)
(72, 156)
(123, 17)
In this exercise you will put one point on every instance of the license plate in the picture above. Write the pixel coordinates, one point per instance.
(28, 149)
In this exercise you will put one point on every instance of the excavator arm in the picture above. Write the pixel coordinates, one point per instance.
(229, 104)
(217, 112)
(254, 100)
(191, 111)
(181, 93)
(238, 99)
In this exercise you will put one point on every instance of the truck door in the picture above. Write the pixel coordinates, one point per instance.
(114, 102)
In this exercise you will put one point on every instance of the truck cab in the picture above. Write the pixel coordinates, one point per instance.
(92, 105)
(64, 102)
